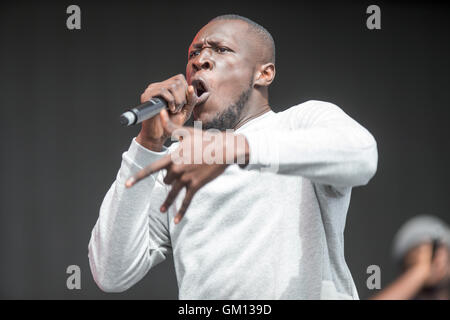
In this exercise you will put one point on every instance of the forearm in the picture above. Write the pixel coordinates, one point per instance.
(119, 244)
(405, 287)
(124, 243)
(334, 155)
(150, 143)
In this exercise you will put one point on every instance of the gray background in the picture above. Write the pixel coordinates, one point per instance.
(62, 92)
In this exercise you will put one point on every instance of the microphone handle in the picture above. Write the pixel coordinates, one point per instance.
(143, 112)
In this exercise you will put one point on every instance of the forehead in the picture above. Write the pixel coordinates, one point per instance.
(231, 32)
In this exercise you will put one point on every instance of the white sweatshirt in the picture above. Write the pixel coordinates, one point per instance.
(250, 233)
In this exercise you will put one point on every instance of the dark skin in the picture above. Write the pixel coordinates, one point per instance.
(227, 58)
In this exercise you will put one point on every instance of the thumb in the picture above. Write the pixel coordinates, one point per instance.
(191, 97)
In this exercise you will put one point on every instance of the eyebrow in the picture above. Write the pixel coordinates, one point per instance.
(214, 43)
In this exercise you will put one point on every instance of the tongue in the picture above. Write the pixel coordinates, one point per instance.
(202, 98)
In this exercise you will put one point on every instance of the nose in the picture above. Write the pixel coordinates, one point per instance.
(202, 61)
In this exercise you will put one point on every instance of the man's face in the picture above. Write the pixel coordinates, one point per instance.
(220, 58)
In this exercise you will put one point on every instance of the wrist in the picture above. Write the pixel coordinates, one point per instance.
(421, 271)
(150, 143)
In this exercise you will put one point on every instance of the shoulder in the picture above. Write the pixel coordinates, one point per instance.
(308, 112)
(313, 106)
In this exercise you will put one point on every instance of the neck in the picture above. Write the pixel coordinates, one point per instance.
(262, 109)
(257, 105)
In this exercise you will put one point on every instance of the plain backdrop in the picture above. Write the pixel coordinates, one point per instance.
(61, 93)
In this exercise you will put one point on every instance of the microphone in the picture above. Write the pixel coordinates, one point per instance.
(143, 112)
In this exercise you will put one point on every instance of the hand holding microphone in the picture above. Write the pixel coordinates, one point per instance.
(173, 94)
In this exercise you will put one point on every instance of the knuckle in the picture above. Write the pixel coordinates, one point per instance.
(194, 184)
(167, 95)
(185, 180)
(169, 198)
(176, 169)
(163, 90)
(166, 179)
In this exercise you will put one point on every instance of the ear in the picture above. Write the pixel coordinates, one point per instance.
(264, 75)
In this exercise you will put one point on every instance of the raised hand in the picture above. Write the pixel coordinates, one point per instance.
(193, 165)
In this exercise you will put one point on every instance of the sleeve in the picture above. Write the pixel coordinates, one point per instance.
(129, 237)
(319, 142)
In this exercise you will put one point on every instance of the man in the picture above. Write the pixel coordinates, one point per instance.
(268, 228)
(421, 248)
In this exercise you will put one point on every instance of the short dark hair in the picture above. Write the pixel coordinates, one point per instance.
(259, 30)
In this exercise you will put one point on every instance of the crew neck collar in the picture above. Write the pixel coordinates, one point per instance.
(255, 120)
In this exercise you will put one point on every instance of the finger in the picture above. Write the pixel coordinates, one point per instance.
(168, 96)
(148, 93)
(168, 125)
(191, 99)
(150, 169)
(178, 90)
(172, 174)
(184, 206)
(176, 131)
(173, 193)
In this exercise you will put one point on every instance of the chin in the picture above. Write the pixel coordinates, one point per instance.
(200, 116)
(204, 118)
(206, 112)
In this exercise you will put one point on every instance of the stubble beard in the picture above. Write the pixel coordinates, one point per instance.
(229, 118)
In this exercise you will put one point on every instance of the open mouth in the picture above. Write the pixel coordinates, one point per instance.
(201, 90)
(199, 86)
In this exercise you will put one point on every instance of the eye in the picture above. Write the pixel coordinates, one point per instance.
(222, 49)
(194, 53)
